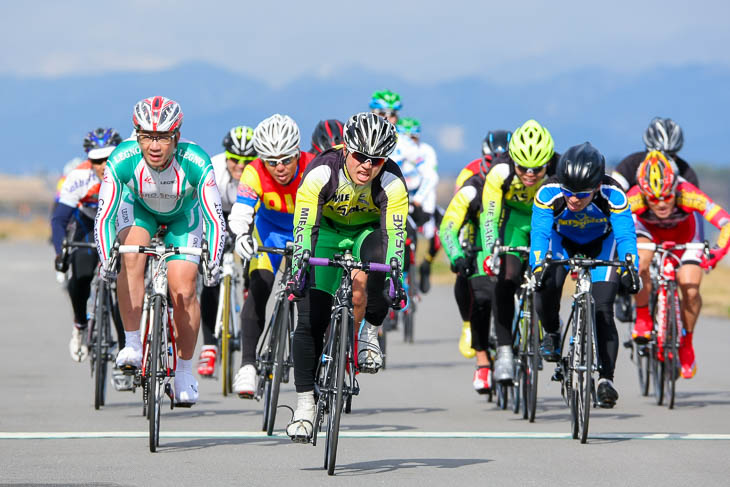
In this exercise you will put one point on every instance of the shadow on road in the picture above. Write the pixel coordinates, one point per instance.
(393, 464)
(415, 410)
(167, 446)
(424, 365)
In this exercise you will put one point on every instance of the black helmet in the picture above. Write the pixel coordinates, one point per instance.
(663, 134)
(239, 141)
(581, 168)
(327, 133)
(496, 142)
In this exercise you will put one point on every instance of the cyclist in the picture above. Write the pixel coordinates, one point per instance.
(264, 214)
(349, 198)
(327, 133)
(510, 187)
(77, 202)
(418, 165)
(581, 210)
(227, 166)
(662, 134)
(386, 103)
(668, 208)
(494, 144)
(153, 180)
(464, 209)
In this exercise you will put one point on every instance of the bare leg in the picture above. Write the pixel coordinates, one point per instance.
(130, 284)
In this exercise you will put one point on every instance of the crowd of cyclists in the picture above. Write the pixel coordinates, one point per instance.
(368, 185)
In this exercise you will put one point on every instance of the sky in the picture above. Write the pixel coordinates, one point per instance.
(425, 41)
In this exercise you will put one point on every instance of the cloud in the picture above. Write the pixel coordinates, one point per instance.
(451, 138)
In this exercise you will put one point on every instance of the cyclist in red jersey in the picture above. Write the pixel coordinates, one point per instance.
(668, 208)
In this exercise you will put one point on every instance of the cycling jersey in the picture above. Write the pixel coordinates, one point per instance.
(227, 186)
(607, 214)
(463, 209)
(625, 172)
(418, 163)
(682, 222)
(79, 195)
(474, 167)
(175, 195)
(503, 187)
(327, 192)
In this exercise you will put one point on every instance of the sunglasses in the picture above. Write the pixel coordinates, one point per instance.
(146, 139)
(659, 199)
(284, 161)
(530, 170)
(97, 162)
(363, 158)
(240, 159)
(386, 113)
(579, 194)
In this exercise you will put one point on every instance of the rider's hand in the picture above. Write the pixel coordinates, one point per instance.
(627, 282)
(461, 267)
(716, 256)
(61, 264)
(246, 246)
(490, 265)
(394, 294)
(295, 286)
(108, 275)
(539, 274)
(213, 276)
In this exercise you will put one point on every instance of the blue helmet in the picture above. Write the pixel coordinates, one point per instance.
(385, 100)
(101, 137)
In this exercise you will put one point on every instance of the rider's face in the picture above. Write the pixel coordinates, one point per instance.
(98, 166)
(282, 173)
(576, 204)
(235, 169)
(157, 147)
(662, 209)
(361, 172)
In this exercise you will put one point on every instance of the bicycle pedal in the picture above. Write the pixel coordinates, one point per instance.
(557, 376)
(628, 344)
(128, 369)
(184, 404)
(168, 392)
(246, 395)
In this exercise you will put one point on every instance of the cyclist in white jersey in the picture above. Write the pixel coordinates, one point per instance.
(228, 167)
(157, 180)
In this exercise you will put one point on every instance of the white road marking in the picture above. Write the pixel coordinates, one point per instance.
(41, 435)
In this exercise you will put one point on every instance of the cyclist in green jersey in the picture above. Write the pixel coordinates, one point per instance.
(355, 198)
(509, 190)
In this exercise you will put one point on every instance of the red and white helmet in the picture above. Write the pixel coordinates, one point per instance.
(157, 114)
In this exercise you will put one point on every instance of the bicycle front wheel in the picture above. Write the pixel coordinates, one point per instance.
(154, 369)
(226, 359)
(586, 389)
(99, 353)
(533, 362)
(337, 396)
(671, 355)
(280, 341)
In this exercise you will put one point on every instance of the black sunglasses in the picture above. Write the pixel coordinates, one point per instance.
(363, 158)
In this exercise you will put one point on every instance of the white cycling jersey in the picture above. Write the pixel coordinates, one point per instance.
(81, 189)
(227, 186)
(418, 164)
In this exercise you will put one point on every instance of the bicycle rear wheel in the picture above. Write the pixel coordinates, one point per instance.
(643, 367)
(337, 396)
(226, 355)
(154, 370)
(280, 341)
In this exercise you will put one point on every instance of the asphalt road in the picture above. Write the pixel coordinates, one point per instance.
(416, 423)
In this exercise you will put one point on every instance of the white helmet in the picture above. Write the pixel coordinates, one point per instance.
(157, 114)
(370, 134)
(276, 136)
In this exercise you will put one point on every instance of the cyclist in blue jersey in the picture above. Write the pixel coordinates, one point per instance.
(580, 210)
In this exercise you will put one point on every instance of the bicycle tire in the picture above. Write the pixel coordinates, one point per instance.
(98, 353)
(383, 343)
(657, 364)
(154, 397)
(407, 327)
(282, 327)
(502, 396)
(671, 358)
(226, 337)
(642, 357)
(337, 399)
(533, 360)
(575, 382)
(587, 386)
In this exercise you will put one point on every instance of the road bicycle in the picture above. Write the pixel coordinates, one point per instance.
(274, 355)
(159, 351)
(576, 369)
(527, 336)
(99, 330)
(335, 383)
(664, 306)
(227, 320)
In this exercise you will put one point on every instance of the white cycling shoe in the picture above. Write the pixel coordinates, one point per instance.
(302, 424)
(129, 358)
(245, 382)
(504, 365)
(369, 356)
(77, 345)
(186, 389)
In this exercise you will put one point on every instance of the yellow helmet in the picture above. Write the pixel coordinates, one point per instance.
(531, 145)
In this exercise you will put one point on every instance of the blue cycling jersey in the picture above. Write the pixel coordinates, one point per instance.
(608, 212)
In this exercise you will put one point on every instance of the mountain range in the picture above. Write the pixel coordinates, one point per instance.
(46, 118)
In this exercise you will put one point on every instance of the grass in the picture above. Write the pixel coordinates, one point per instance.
(37, 228)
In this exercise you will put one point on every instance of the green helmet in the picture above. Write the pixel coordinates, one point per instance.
(531, 145)
(385, 100)
(409, 126)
